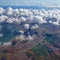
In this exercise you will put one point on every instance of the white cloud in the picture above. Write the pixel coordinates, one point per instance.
(1, 10)
(30, 37)
(7, 43)
(29, 15)
(34, 27)
(10, 20)
(3, 18)
(22, 19)
(38, 19)
(9, 11)
(20, 37)
(26, 26)
(21, 31)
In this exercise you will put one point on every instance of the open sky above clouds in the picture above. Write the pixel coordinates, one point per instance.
(29, 2)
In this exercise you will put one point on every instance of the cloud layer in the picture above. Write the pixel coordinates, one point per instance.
(11, 15)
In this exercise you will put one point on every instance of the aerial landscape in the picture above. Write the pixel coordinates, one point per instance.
(29, 30)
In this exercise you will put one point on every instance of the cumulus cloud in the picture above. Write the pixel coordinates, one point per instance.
(21, 31)
(22, 19)
(9, 11)
(34, 27)
(38, 19)
(30, 15)
(26, 26)
(1, 10)
(30, 37)
(20, 37)
(7, 43)
(3, 18)
(10, 20)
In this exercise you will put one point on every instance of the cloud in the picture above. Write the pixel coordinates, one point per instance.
(34, 27)
(10, 20)
(20, 37)
(9, 11)
(26, 26)
(30, 37)
(21, 31)
(40, 16)
(38, 19)
(7, 43)
(22, 19)
(3, 18)
(1, 10)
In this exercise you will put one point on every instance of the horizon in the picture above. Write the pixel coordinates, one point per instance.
(47, 3)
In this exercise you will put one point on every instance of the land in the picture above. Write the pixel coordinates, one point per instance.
(44, 46)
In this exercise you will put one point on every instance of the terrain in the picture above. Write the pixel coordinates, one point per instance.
(27, 34)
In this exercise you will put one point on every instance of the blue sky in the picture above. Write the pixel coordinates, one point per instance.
(29, 2)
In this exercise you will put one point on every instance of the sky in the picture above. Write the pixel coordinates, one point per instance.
(29, 2)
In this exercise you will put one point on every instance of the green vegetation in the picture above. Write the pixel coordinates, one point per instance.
(38, 50)
(28, 54)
